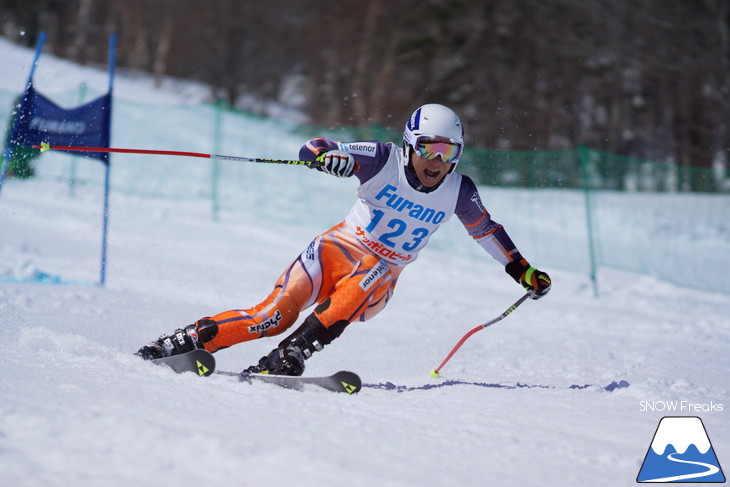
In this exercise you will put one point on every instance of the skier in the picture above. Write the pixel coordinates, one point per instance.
(351, 270)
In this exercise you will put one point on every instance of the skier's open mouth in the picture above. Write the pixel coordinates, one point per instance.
(431, 174)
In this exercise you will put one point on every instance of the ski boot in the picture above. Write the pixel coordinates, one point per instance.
(181, 341)
(280, 361)
(288, 358)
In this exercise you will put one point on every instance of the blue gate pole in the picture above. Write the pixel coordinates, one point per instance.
(105, 231)
(13, 131)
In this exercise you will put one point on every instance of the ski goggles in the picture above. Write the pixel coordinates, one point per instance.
(431, 147)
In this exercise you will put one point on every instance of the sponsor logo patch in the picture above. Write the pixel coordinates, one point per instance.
(477, 201)
(373, 276)
(310, 251)
(270, 323)
(381, 249)
(360, 148)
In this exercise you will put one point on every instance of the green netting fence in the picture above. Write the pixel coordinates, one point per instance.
(660, 219)
(580, 210)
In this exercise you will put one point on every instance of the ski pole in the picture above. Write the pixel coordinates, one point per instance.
(435, 372)
(44, 146)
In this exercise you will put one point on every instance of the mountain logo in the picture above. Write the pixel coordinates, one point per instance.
(680, 452)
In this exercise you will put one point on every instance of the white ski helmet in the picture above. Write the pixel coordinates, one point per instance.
(438, 125)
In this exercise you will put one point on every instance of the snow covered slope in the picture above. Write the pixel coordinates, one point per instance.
(76, 408)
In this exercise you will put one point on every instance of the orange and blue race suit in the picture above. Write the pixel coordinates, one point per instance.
(351, 270)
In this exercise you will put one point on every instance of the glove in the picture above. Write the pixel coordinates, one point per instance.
(536, 282)
(336, 162)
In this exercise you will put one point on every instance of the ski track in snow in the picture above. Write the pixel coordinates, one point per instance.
(77, 408)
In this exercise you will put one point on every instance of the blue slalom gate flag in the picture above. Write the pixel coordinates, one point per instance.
(41, 120)
(38, 120)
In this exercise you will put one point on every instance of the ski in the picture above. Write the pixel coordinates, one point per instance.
(342, 381)
(200, 362)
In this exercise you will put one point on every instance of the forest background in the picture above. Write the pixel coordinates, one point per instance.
(647, 78)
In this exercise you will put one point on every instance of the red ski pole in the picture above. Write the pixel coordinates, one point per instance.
(435, 372)
(45, 146)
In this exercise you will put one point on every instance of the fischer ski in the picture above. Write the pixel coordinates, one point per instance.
(202, 363)
(199, 361)
(342, 381)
